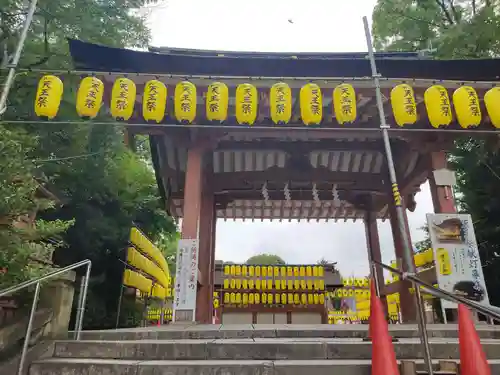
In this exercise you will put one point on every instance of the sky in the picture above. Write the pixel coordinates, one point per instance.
(282, 26)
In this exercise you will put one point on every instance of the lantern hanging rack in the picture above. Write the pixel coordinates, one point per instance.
(294, 82)
(254, 127)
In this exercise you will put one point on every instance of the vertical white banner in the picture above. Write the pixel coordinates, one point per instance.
(186, 275)
(458, 265)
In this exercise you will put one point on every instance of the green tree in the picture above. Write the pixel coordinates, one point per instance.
(26, 247)
(265, 259)
(456, 30)
(426, 242)
(105, 187)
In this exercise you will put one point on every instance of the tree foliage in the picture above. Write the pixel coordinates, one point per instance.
(266, 260)
(465, 29)
(104, 187)
(27, 247)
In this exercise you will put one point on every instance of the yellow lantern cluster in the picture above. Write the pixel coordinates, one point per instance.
(155, 314)
(298, 285)
(147, 270)
(303, 299)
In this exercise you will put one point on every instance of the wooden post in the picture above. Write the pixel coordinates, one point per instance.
(442, 196)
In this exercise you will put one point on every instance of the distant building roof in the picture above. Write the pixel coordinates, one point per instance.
(286, 55)
(88, 56)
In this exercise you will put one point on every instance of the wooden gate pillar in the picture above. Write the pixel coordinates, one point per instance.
(373, 245)
(204, 297)
(442, 196)
(192, 207)
(407, 300)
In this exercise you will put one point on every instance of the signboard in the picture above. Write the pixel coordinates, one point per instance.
(186, 275)
(458, 266)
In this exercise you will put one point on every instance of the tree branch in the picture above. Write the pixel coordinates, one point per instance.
(445, 11)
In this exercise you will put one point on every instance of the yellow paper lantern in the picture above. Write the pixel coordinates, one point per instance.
(251, 284)
(237, 270)
(280, 103)
(467, 107)
(263, 271)
(296, 284)
(123, 99)
(309, 271)
(321, 271)
(251, 299)
(315, 271)
(276, 271)
(226, 298)
(246, 104)
(244, 270)
(322, 299)
(216, 303)
(296, 299)
(303, 299)
(289, 271)
(226, 283)
(238, 284)
(403, 105)
(316, 298)
(296, 271)
(244, 284)
(233, 270)
(185, 101)
(263, 298)
(438, 106)
(270, 271)
(226, 270)
(283, 284)
(283, 298)
(217, 102)
(257, 284)
(238, 297)
(233, 298)
(290, 298)
(492, 101)
(154, 101)
(302, 271)
(233, 284)
(344, 103)
(89, 97)
(245, 298)
(283, 271)
(264, 284)
(311, 104)
(321, 284)
(269, 298)
(277, 297)
(302, 284)
(278, 285)
(309, 284)
(310, 299)
(257, 271)
(257, 298)
(250, 271)
(48, 96)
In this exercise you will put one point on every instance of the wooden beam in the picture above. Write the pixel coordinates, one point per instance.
(302, 146)
(428, 275)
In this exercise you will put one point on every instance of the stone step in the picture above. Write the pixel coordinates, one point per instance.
(176, 332)
(73, 366)
(257, 349)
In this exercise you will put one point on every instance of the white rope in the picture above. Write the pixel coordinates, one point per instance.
(335, 194)
(265, 193)
(315, 194)
(288, 194)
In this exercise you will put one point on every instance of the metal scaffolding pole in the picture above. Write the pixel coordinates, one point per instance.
(17, 56)
(407, 251)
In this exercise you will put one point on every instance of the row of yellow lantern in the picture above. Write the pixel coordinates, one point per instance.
(155, 314)
(123, 96)
(336, 316)
(356, 281)
(309, 284)
(270, 298)
(276, 271)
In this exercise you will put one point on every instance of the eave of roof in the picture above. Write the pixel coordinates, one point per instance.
(94, 57)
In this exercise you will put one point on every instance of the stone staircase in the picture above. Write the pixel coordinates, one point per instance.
(247, 350)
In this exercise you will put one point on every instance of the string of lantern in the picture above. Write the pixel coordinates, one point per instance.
(438, 105)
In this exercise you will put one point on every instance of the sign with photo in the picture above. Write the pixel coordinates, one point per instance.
(458, 265)
(186, 275)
